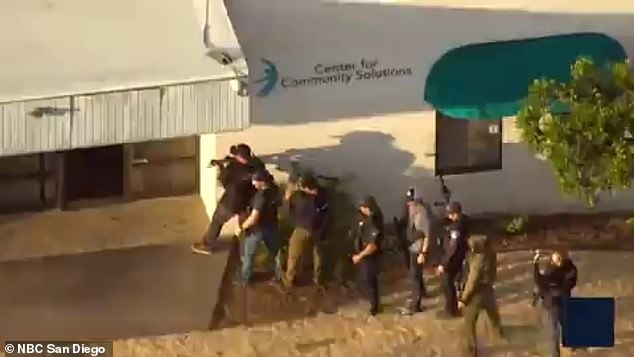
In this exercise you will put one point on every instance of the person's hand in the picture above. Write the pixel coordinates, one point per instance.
(440, 269)
(420, 259)
(238, 231)
(356, 259)
(460, 305)
(536, 256)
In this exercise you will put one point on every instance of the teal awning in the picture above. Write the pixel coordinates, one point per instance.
(490, 80)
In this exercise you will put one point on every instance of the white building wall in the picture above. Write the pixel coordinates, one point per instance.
(384, 155)
(380, 133)
(208, 183)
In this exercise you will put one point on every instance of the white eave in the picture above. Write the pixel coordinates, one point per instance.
(55, 48)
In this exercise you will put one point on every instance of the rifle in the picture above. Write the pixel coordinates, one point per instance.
(461, 279)
(445, 193)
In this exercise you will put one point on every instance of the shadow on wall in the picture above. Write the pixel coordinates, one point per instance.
(370, 163)
(396, 35)
(367, 161)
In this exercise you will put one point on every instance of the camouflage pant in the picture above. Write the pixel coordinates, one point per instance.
(301, 240)
(483, 299)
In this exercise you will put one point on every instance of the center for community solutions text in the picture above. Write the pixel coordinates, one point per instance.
(344, 73)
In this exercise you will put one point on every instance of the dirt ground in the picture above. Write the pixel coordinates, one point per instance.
(308, 322)
(347, 331)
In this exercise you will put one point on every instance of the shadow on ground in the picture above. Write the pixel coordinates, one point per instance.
(111, 294)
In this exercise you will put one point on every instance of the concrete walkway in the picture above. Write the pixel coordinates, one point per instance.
(111, 294)
(110, 226)
(115, 271)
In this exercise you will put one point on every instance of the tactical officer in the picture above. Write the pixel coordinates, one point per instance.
(554, 286)
(456, 246)
(368, 234)
(234, 202)
(419, 233)
(309, 212)
(226, 166)
(261, 225)
(401, 225)
(478, 293)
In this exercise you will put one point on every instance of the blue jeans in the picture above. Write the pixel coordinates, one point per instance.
(268, 235)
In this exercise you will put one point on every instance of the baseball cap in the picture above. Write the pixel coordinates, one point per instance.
(454, 207)
(364, 201)
(308, 180)
(243, 150)
(261, 176)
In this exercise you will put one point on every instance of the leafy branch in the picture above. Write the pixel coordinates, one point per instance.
(582, 127)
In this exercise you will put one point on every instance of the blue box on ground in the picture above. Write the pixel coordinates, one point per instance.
(588, 322)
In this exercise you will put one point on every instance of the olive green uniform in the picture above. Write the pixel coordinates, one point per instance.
(478, 293)
(309, 215)
(300, 241)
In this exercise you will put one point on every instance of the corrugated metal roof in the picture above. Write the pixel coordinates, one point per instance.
(62, 47)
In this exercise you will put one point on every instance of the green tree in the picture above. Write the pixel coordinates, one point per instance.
(583, 127)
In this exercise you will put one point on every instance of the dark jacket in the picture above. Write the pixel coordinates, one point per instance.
(456, 243)
(366, 232)
(228, 171)
(267, 202)
(482, 267)
(236, 180)
(556, 283)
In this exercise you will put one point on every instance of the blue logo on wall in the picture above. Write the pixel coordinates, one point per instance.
(270, 79)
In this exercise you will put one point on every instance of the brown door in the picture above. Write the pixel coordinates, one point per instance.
(164, 168)
(93, 173)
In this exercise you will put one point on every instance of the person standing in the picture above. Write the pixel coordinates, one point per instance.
(419, 232)
(260, 226)
(458, 231)
(309, 212)
(368, 233)
(401, 226)
(554, 286)
(234, 202)
(479, 293)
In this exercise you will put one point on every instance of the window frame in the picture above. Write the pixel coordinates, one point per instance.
(460, 170)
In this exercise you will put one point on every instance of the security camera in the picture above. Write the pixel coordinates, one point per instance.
(240, 86)
(220, 57)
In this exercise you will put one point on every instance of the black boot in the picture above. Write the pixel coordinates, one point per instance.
(413, 308)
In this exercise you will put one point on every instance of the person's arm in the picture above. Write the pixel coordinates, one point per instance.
(473, 279)
(372, 245)
(258, 204)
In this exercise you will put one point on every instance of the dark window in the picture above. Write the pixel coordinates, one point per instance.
(94, 173)
(467, 146)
